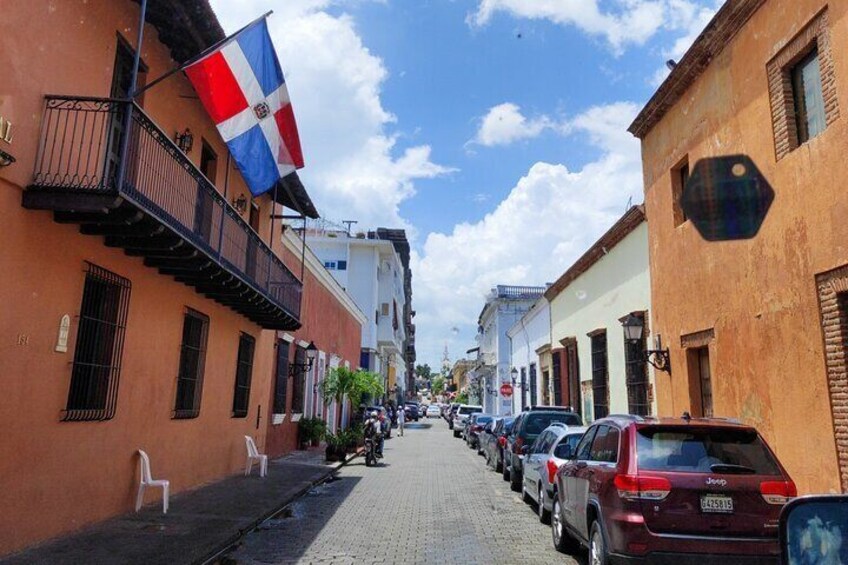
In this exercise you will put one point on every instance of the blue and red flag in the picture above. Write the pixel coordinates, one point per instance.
(242, 88)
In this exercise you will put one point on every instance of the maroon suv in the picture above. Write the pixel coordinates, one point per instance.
(671, 490)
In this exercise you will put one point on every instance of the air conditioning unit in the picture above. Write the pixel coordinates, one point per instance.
(384, 309)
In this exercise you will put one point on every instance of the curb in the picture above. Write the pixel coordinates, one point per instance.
(227, 545)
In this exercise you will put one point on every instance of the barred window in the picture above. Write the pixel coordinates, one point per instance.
(636, 373)
(600, 374)
(244, 370)
(100, 341)
(281, 378)
(299, 388)
(192, 365)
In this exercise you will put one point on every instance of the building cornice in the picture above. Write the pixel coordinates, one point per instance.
(718, 34)
(293, 243)
(631, 219)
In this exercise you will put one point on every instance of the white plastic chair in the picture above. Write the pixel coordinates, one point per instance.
(148, 481)
(254, 455)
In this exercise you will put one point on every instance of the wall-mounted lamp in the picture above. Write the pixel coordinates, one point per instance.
(311, 354)
(240, 204)
(184, 140)
(5, 159)
(515, 383)
(634, 328)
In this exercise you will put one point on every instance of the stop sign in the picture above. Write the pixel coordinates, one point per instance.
(727, 198)
(506, 390)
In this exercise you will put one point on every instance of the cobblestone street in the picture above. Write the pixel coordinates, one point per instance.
(432, 500)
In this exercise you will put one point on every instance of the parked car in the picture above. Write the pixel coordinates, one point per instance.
(474, 428)
(641, 489)
(463, 411)
(528, 425)
(542, 462)
(411, 411)
(433, 411)
(494, 443)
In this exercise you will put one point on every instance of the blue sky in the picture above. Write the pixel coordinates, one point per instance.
(494, 131)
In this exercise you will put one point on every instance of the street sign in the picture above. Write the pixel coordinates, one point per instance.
(727, 198)
(506, 390)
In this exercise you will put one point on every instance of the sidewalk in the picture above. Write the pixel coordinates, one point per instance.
(199, 523)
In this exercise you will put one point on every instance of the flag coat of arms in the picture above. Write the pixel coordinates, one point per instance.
(241, 85)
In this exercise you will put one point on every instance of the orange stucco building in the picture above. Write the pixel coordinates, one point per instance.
(756, 328)
(140, 310)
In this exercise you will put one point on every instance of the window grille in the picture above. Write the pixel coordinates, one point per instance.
(299, 388)
(244, 370)
(636, 374)
(281, 378)
(600, 375)
(96, 367)
(192, 365)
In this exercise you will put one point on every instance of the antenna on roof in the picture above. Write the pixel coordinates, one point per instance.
(629, 204)
(349, 223)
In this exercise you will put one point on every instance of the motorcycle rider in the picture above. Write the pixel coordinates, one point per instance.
(374, 429)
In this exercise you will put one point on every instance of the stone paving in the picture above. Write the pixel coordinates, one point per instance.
(431, 500)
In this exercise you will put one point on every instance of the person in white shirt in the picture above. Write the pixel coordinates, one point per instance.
(401, 418)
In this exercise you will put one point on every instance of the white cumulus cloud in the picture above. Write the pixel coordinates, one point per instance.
(505, 124)
(623, 23)
(550, 217)
(354, 165)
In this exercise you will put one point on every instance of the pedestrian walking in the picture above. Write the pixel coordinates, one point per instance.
(401, 418)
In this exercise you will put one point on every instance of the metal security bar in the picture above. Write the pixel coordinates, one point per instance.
(192, 365)
(79, 152)
(244, 370)
(281, 377)
(600, 375)
(100, 342)
(636, 373)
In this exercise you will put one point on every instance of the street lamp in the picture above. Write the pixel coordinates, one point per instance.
(634, 328)
(514, 375)
(311, 354)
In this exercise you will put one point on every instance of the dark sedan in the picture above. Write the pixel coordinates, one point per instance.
(494, 442)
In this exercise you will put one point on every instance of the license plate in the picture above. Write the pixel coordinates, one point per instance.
(716, 503)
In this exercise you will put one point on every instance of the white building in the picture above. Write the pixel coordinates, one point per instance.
(504, 307)
(371, 271)
(530, 340)
(601, 372)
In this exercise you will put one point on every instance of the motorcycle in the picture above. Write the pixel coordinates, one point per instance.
(371, 456)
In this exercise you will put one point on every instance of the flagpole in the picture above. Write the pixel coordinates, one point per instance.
(128, 104)
(197, 57)
(271, 242)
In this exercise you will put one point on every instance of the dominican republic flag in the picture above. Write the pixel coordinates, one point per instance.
(243, 89)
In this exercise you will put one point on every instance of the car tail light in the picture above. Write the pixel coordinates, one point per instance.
(778, 492)
(476, 428)
(552, 469)
(633, 487)
(502, 441)
(516, 445)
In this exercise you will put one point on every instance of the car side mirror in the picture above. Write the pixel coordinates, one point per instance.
(812, 529)
(525, 450)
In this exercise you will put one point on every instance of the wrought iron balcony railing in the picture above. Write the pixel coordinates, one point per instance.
(165, 210)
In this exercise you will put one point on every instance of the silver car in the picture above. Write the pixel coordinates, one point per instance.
(461, 416)
(541, 464)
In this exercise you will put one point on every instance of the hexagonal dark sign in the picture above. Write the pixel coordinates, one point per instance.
(727, 198)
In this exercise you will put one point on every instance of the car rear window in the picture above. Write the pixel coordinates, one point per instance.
(470, 409)
(484, 419)
(710, 450)
(536, 422)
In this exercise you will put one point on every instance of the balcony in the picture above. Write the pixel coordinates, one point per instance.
(165, 210)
